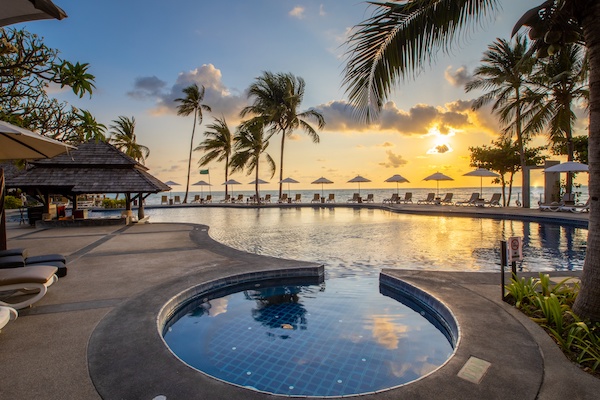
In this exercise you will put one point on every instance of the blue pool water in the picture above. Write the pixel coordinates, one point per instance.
(338, 338)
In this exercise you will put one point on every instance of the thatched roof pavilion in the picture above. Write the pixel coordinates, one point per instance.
(93, 168)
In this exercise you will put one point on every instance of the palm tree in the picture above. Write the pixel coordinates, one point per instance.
(250, 144)
(123, 137)
(276, 100)
(561, 81)
(217, 145)
(88, 128)
(504, 74)
(401, 37)
(192, 103)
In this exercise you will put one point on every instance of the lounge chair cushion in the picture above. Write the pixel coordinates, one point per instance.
(35, 274)
(14, 252)
(45, 257)
(61, 266)
(12, 262)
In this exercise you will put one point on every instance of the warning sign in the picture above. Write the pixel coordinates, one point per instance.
(515, 248)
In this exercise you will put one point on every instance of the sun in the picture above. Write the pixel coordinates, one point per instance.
(441, 143)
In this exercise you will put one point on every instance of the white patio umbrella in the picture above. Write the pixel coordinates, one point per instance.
(322, 181)
(288, 180)
(15, 11)
(569, 166)
(358, 179)
(201, 184)
(482, 172)
(231, 182)
(438, 176)
(398, 179)
(171, 183)
(16, 144)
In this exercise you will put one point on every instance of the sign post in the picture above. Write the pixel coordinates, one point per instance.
(515, 252)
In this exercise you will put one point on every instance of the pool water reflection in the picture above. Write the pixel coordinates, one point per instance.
(351, 241)
(339, 338)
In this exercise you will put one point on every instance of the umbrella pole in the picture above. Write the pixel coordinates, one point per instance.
(2, 213)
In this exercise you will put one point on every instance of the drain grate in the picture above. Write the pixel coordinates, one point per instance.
(474, 370)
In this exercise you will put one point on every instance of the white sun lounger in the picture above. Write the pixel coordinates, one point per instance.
(32, 281)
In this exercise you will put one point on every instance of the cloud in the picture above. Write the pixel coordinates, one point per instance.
(322, 12)
(387, 144)
(297, 12)
(393, 160)
(148, 87)
(440, 149)
(421, 118)
(338, 117)
(458, 77)
(221, 100)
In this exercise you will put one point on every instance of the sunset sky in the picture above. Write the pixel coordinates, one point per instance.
(144, 52)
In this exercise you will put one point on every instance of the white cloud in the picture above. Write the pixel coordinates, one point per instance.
(393, 160)
(458, 77)
(220, 98)
(322, 12)
(297, 12)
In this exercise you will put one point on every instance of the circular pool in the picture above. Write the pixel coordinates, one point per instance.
(339, 337)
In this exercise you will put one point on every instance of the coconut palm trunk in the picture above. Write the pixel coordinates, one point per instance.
(588, 300)
(187, 184)
(283, 135)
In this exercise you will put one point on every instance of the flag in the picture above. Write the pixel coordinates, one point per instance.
(203, 172)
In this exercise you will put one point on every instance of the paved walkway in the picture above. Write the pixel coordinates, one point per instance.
(93, 335)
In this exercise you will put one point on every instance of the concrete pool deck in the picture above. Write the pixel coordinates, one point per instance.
(91, 336)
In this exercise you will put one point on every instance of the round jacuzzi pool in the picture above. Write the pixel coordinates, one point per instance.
(344, 336)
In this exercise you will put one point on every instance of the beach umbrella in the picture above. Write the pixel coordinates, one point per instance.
(231, 182)
(15, 11)
(358, 179)
(438, 176)
(171, 183)
(16, 144)
(569, 166)
(322, 181)
(398, 179)
(288, 180)
(259, 181)
(201, 184)
(481, 173)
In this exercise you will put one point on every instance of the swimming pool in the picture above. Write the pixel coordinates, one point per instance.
(363, 241)
(345, 336)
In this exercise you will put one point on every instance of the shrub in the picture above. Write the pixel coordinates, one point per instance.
(11, 202)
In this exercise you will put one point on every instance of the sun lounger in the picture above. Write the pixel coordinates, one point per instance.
(18, 258)
(331, 198)
(316, 198)
(177, 200)
(393, 199)
(429, 200)
(267, 198)
(208, 198)
(28, 281)
(355, 198)
(7, 314)
(164, 200)
(494, 201)
(565, 201)
(407, 198)
(447, 200)
(197, 199)
(577, 208)
(298, 198)
(470, 202)
(227, 199)
(239, 199)
(369, 198)
(283, 198)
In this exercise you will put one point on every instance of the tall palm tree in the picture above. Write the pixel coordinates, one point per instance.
(123, 137)
(217, 145)
(561, 81)
(504, 75)
(192, 103)
(88, 128)
(401, 37)
(276, 100)
(250, 143)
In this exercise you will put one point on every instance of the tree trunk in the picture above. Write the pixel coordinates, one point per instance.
(187, 185)
(588, 300)
(283, 133)
(256, 184)
(524, 181)
(226, 174)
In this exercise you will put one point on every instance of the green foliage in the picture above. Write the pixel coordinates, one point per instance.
(12, 202)
(550, 306)
(112, 203)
